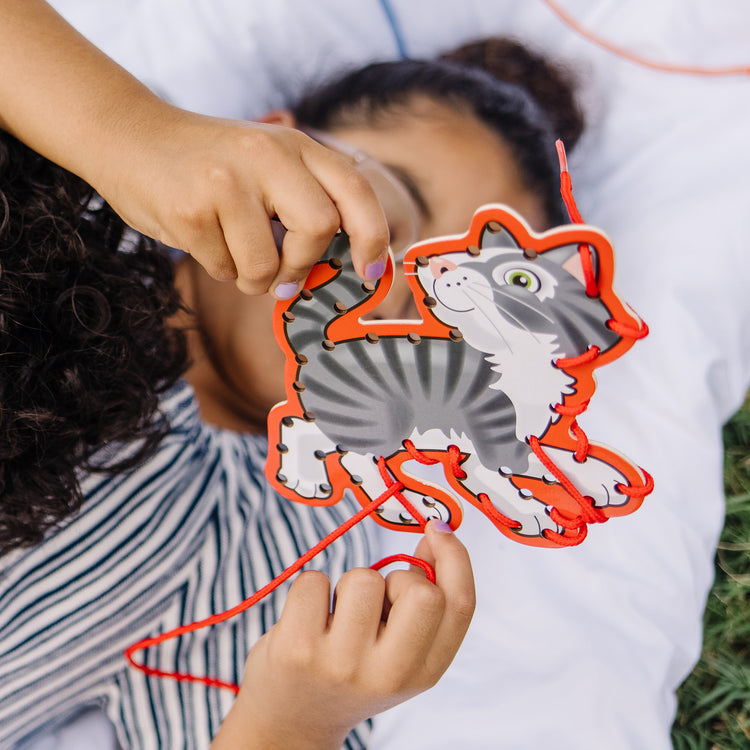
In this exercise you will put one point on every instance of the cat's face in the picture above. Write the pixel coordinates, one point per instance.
(487, 296)
(503, 297)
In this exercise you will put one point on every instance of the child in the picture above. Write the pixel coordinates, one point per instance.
(123, 515)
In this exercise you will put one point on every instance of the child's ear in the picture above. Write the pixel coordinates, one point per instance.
(279, 117)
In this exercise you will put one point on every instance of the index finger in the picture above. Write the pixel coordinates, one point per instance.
(362, 216)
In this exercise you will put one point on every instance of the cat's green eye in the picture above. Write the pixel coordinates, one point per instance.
(523, 278)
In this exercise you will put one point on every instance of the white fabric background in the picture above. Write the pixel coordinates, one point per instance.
(578, 648)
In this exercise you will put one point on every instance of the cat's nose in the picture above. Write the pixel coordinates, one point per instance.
(439, 266)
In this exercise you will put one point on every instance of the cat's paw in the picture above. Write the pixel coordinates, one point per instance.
(508, 507)
(592, 477)
(432, 500)
(303, 450)
(309, 490)
(393, 513)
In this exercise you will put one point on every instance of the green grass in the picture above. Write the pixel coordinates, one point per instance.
(714, 702)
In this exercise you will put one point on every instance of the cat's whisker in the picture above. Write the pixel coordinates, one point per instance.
(480, 290)
(492, 321)
(502, 290)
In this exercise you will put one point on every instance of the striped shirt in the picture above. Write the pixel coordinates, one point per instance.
(191, 532)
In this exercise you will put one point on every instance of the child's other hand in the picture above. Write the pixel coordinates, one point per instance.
(210, 187)
(317, 674)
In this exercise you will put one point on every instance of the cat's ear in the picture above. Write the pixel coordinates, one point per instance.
(568, 257)
(494, 234)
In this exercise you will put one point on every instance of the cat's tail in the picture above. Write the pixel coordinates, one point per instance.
(333, 289)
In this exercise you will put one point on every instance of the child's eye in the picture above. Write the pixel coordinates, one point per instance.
(523, 278)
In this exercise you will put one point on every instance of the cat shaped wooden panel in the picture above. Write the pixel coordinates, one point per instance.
(476, 401)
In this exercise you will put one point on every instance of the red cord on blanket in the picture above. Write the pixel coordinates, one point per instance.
(663, 67)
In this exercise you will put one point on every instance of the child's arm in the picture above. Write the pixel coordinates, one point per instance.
(315, 675)
(204, 185)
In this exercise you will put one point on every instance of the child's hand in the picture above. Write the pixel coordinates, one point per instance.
(201, 184)
(316, 674)
(211, 186)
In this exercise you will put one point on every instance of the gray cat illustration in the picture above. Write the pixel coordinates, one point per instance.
(521, 331)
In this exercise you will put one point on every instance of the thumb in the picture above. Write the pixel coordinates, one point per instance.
(441, 548)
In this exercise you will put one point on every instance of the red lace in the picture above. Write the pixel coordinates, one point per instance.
(393, 489)
(729, 70)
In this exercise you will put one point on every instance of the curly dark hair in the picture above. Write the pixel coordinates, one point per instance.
(85, 345)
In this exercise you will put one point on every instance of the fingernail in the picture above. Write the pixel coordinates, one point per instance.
(442, 526)
(286, 290)
(375, 270)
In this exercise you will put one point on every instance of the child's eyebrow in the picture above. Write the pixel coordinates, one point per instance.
(408, 181)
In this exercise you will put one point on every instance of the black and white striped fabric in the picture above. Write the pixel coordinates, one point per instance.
(193, 531)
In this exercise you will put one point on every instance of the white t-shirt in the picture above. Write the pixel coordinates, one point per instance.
(579, 648)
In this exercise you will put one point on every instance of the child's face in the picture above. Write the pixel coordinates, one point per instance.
(451, 164)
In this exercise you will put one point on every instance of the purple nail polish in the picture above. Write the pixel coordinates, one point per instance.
(375, 270)
(286, 290)
(442, 526)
